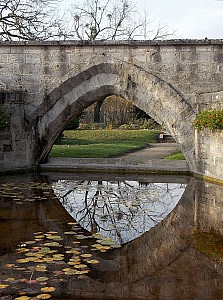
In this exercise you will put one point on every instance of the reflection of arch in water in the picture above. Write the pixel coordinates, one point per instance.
(121, 210)
(159, 264)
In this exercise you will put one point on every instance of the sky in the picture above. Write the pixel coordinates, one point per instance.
(191, 19)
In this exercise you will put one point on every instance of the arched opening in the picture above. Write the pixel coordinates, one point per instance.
(115, 112)
(156, 97)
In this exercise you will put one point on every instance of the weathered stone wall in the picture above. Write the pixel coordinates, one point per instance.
(170, 80)
(209, 153)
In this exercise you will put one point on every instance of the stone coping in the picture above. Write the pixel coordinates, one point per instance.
(171, 42)
(156, 166)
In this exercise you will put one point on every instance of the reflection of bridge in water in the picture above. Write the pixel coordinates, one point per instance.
(160, 264)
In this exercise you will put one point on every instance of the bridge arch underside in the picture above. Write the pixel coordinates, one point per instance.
(157, 98)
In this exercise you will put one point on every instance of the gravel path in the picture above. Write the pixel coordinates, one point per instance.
(146, 160)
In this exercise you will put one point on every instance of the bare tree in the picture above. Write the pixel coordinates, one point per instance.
(110, 20)
(30, 20)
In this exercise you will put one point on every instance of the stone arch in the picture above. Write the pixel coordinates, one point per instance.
(158, 98)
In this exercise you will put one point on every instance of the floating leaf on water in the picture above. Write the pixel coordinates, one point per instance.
(57, 273)
(107, 242)
(68, 247)
(42, 278)
(30, 242)
(96, 245)
(9, 279)
(31, 281)
(48, 289)
(51, 232)
(30, 254)
(58, 258)
(83, 272)
(47, 260)
(73, 263)
(72, 223)
(44, 250)
(22, 250)
(22, 293)
(9, 266)
(55, 237)
(67, 269)
(69, 232)
(22, 298)
(22, 260)
(3, 286)
(80, 266)
(39, 236)
(81, 237)
(116, 246)
(20, 269)
(71, 272)
(93, 261)
(86, 255)
(44, 296)
(52, 244)
(72, 251)
(38, 233)
(75, 259)
(58, 255)
(40, 268)
(82, 276)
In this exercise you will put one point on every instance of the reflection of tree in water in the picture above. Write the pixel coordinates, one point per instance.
(120, 210)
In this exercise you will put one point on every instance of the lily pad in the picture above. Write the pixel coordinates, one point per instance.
(80, 266)
(55, 237)
(48, 289)
(22, 260)
(69, 232)
(3, 286)
(42, 279)
(44, 296)
(86, 255)
(93, 261)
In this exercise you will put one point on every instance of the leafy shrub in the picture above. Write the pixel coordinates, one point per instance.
(212, 119)
(4, 118)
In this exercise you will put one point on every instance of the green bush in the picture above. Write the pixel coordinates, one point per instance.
(212, 119)
(4, 118)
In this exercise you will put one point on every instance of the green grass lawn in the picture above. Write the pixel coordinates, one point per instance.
(177, 155)
(102, 143)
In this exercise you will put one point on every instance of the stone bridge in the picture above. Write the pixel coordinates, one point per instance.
(43, 85)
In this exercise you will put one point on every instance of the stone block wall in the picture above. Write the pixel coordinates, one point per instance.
(209, 153)
(179, 78)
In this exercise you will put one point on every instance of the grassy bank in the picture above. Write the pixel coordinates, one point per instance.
(102, 143)
(177, 155)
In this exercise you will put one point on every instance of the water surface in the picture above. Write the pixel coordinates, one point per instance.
(84, 236)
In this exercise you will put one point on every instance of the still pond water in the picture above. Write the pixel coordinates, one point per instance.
(78, 236)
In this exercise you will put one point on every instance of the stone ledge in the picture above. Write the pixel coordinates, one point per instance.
(173, 42)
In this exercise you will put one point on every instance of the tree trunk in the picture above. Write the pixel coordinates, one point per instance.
(97, 116)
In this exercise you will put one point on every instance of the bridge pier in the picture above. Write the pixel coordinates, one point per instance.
(17, 141)
(209, 155)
